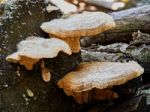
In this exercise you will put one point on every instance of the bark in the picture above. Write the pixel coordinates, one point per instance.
(120, 52)
(127, 21)
(15, 80)
(127, 91)
(136, 104)
(88, 56)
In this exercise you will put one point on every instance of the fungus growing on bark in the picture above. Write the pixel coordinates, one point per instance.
(98, 77)
(110, 4)
(31, 50)
(64, 6)
(51, 8)
(77, 25)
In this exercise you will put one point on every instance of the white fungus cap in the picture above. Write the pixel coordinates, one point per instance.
(31, 50)
(100, 75)
(77, 25)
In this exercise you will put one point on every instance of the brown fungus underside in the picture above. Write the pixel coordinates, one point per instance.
(72, 28)
(97, 78)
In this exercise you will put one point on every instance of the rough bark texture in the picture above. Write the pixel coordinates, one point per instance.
(127, 21)
(138, 50)
(140, 54)
(135, 104)
(15, 79)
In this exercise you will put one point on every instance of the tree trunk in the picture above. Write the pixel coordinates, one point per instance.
(127, 22)
(22, 90)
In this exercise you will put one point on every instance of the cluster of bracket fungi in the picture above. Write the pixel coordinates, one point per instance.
(97, 78)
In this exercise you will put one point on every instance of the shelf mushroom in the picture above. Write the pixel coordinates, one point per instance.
(94, 80)
(64, 6)
(31, 50)
(77, 25)
(110, 4)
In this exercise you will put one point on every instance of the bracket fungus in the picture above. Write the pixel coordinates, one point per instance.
(31, 50)
(98, 78)
(64, 6)
(51, 8)
(70, 29)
